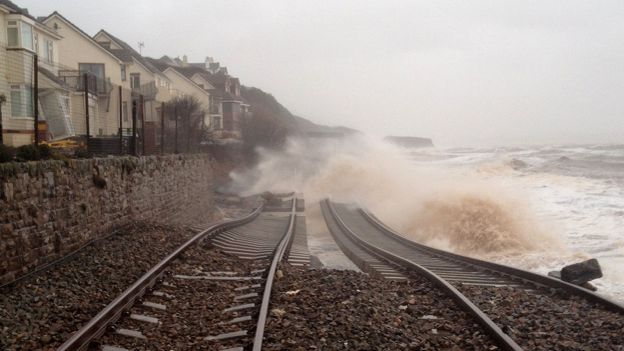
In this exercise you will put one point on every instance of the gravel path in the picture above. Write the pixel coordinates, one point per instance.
(42, 311)
(550, 322)
(346, 310)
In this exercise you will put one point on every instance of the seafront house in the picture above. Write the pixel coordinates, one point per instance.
(228, 108)
(143, 79)
(183, 85)
(78, 54)
(22, 37)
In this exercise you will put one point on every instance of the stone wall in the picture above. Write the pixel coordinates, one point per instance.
(50, 208)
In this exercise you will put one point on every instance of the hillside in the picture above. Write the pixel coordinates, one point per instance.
(272, 123)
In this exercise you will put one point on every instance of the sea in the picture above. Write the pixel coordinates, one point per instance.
(536, 207)
(575, 191)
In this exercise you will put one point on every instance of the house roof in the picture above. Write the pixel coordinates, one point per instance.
(157, 63)
(127, 53)
(14, 9)
(76, 28)
(188, 80)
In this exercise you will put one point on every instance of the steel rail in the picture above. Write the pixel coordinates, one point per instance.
(496, 267)
(495, 331)
(277, 258)
(97, 325)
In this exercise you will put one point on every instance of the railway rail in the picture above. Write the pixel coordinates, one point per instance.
(261, 237)
(378, 250)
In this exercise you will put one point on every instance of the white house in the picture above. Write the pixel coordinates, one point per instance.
(21, 38)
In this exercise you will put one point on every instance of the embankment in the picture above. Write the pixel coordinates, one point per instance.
(50, 208)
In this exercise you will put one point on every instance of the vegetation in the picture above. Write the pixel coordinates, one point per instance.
(190, 129)
(29, 153)
(7, 154)
(269, 125)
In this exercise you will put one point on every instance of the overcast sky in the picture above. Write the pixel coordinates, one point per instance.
(460, 72)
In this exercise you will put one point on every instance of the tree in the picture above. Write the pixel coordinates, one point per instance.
(187, 129)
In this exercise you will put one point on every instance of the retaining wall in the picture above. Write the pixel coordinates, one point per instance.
(50, 208)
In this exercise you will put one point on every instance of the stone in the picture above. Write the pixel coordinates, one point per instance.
(582, 272)
(555, 274)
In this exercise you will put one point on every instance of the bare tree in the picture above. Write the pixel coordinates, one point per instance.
(186, 127)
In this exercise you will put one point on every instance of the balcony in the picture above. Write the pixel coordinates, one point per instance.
(148, 90)
(74, 80)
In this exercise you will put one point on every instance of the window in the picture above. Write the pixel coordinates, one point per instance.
(22, 101)
(135, 81)
(123, 73)
(97, 69)
(49, 51)
(27, 36)
(12, 34)
(216, 122)
(124, 110)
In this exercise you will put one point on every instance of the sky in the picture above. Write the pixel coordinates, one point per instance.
(464, 73)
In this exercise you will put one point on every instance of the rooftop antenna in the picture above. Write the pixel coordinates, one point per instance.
(141, 45)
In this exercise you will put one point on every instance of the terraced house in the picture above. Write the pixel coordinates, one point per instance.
(22, 37)
(143, 79)
(93, 85)
(79, 53)
(228, 108)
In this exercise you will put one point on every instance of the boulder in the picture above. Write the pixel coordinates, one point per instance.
(555, 274)
(582, 272)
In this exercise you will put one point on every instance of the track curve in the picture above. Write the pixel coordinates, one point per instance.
(462, 277)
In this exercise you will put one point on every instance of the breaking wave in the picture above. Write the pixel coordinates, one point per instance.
(435, 206)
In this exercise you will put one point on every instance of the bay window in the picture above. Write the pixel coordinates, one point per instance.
(20, 35)
(12, 34)
(22, 101)
(27, 36)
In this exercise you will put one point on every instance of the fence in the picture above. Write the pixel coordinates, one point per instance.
(68, 107)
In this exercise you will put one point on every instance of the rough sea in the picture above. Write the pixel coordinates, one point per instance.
(576, 190)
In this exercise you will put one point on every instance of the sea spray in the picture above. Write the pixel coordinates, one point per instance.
(427, 203)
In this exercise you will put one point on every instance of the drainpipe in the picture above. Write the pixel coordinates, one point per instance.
(2, 101)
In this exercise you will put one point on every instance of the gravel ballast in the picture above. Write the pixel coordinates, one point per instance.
(193, 306)
(550, 321)
(346, 310)
(42, 311)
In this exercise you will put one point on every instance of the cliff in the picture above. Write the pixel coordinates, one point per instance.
(272, 123)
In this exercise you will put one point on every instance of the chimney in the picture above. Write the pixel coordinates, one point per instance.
(184, 60)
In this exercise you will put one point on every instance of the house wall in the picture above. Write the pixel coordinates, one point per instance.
(75, 48)
(50, 208)
(18, 130)
(184, 87)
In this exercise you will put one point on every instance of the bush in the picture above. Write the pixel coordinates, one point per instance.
(28, 153)
(45, 151)
(6, 153)
(81, 153)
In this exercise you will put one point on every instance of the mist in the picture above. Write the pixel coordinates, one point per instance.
(462, 73)
(432, 205)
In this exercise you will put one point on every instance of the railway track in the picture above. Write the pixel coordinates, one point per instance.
(485, 290)
(261, 238)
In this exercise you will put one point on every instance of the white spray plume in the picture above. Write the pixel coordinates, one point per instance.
(427, 203)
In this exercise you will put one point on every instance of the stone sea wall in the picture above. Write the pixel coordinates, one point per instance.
(50, 208)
